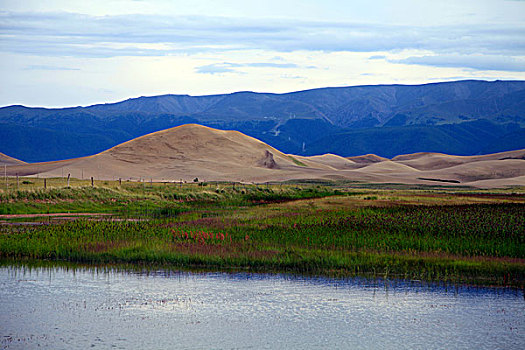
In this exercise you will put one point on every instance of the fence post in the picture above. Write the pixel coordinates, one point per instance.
(92, 184)
(119, 181)
(45, 183)
(68, 176)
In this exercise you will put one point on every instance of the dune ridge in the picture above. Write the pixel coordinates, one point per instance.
(193, 151)
(7, 160)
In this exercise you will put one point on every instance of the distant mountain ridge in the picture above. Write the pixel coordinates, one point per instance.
(461, 117)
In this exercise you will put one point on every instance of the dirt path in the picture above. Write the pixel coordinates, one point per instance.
(18, 216)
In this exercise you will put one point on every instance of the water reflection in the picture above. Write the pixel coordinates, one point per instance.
(106, 308)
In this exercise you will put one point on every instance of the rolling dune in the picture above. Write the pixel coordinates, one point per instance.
(6, 160)
(367, 159)
(433, 161)
(194, 151)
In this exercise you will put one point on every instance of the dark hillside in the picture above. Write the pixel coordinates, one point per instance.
(304, 122)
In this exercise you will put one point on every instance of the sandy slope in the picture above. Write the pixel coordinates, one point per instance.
(331, 161)
(482, 170)
(388, 167)
(6, 160)
(194, 151)
(433, 161)
(185, 152)
(367, 159)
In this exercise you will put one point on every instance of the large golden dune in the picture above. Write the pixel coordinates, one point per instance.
(194, 151)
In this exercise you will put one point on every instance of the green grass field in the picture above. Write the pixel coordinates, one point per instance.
(340, 229)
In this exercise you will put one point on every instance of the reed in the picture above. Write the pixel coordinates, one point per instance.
(481, 243)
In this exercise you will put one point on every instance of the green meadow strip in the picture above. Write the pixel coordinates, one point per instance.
(478, 243)
(308, 227)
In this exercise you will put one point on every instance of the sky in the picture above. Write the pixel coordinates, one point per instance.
(71, 53)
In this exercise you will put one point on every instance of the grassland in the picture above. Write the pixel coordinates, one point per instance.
(341, 229)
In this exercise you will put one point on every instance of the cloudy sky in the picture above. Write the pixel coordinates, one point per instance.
(69, 53)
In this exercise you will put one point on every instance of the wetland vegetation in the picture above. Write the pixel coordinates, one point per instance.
(435, 233)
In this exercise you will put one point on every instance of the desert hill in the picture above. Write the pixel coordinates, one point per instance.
(6, 160)
(367, 158)
(194, 151)
(184, 152)
(434, 161)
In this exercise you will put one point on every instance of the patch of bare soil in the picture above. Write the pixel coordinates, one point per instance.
(23, 216)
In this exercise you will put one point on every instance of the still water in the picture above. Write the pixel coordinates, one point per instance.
(62, 308)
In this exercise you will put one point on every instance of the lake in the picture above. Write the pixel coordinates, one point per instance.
(66, 308)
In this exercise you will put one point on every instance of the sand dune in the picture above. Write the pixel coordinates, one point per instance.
(6, 160)
(367, 159)
(387, 166)
(332, 161)
(433, 161)
(495, 183)
(193, 151)
(483, 170)
(185, 152)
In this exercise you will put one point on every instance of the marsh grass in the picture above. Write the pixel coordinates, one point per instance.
(461, 236)
(143, 199)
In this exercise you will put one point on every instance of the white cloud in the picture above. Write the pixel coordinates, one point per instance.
(477, 62)
(69, 34)
(47, 67)
(228, 67)
(66, 52)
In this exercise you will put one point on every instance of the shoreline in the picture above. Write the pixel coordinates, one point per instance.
(166, 269)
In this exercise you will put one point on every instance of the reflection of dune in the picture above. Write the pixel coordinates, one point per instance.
(191, 151)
